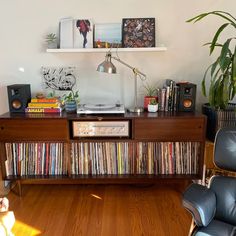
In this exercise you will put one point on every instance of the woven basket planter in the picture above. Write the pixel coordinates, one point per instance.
(217, 118)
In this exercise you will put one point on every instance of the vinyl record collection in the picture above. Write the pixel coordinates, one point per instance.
(35, 159)
(135, 158)
(101, 158)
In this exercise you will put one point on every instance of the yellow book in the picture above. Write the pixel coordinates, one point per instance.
(43, 104)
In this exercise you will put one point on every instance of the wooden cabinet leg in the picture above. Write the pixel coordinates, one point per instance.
(19, 187)
(192, 227)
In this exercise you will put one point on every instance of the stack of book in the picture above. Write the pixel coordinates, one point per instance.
(44, 105)
(168, 96)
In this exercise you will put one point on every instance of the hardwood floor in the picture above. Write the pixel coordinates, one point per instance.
(99, 210)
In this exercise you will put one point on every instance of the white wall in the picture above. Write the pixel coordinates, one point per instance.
(24, 25)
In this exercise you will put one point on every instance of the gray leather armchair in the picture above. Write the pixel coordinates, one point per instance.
(214, 207)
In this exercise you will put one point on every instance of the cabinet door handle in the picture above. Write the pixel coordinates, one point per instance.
(2, 128)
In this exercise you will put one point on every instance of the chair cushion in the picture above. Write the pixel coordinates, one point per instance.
(225, 149)
(201, 203)
(216, 228)
(225, 190)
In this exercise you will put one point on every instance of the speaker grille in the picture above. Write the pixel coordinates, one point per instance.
(187, 96)
(16, 104)
(18, 97)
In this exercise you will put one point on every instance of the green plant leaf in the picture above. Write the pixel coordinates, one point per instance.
(214, 66)
(217, 44)
(233, 78)
(150, 90)
(211, 96)
(225, 94)
(204, 87)
(234, 66)
(222, 14)
(232, 90)
(215, 38)
(198, 17)
(204, 81)
(218, 91)
(224, 61)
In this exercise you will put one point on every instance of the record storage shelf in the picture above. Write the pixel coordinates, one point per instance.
(145, 129)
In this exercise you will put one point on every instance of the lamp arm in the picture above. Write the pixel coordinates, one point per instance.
(136, 73)
(135, 70)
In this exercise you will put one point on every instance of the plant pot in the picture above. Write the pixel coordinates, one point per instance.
(152, 108)
(71, 107)
(218, 118)
(52, 45)
(147, 100)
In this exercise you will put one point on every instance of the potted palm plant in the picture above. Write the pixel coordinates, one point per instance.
(222, 74)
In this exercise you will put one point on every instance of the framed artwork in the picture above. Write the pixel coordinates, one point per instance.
(59, 78)
(107, 35)
(138, 32)
(83, 33)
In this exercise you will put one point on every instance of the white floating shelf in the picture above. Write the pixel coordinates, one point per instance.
(85, 50)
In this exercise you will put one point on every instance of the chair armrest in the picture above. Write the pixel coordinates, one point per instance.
(200, 201)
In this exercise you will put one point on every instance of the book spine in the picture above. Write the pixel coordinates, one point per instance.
(43, 100)
(43, 110)
(176, 98)
(171, 97)
(167, 98)
(163, 99)
(43, 105)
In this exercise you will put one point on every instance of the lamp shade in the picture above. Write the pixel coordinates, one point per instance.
(107, 66)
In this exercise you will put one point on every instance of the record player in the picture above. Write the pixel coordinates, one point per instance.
(100, 109)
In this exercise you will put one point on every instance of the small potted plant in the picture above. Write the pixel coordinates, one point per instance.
(70, 101)
(153, 105)
(150, 94)
(51, 40)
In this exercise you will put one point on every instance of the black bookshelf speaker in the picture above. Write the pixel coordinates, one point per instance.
(187, 96)
(18, 97)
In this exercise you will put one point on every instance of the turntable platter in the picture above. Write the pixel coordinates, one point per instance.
(99, 106)
(100, 109)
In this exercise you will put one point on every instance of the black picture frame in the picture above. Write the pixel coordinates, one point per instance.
(138, 32)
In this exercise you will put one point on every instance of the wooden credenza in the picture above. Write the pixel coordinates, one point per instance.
(42, 149)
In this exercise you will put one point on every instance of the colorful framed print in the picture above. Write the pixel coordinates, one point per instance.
(83, 33)
(107, 35)
(138, 32)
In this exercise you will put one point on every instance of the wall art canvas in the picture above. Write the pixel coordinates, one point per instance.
(83, 33)
(138, 32)
(107, 35)
(59, 78)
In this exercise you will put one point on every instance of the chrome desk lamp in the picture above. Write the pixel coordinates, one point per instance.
(108, 67)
